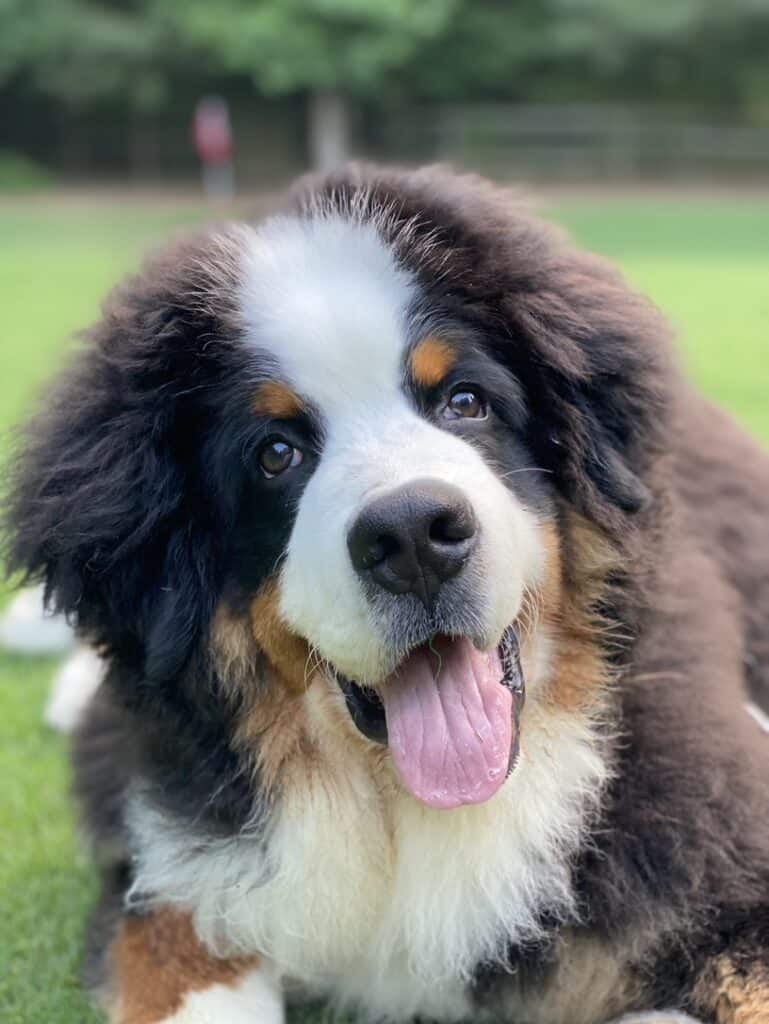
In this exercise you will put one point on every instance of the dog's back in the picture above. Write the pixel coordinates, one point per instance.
(722, 476)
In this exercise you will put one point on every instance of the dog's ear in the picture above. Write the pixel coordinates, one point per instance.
(599, 379)
(106, 505)
(600, 442)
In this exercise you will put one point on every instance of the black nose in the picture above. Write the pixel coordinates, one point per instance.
(413, 539)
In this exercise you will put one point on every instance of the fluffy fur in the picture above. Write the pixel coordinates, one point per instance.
(254, 999)
(622, 523)
(412, 899)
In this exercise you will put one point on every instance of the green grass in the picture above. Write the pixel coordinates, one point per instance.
(704, 261)
(706, 264)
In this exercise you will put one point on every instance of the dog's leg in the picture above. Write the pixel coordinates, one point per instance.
(734, 988)
(157, 972)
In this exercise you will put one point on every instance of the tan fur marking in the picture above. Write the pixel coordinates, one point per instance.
(592, 982)
(276, 400)
(288, 652)
(430, 361)
(734, 995)
(265, 670)
(157, 960)
(235, 650)
(580, 674)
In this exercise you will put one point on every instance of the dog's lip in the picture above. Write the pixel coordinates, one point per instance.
(367, 709)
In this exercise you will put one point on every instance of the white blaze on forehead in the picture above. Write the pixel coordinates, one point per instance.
(327, 298)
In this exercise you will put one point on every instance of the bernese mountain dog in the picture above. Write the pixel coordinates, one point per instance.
(430, 598)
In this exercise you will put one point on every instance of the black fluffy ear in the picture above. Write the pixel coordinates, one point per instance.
(606, 468)
(107, 505)
(97, 512)
(184, 603)
(601, 447)
(616, 481)
(597, 373)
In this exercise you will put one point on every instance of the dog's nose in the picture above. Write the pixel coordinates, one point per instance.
(414, 538)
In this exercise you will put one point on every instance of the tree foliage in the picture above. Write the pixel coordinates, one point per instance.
(347, 45)
(78, 51)
(691, 50)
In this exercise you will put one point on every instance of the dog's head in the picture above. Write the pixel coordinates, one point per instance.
(351, 428)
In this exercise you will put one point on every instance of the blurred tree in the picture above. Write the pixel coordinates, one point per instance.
(693, 51)
(337, 52)
(79, 51)
(82, 53)
(334, 50)
(341, 50)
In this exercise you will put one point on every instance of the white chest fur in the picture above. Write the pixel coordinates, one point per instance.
(376, 900)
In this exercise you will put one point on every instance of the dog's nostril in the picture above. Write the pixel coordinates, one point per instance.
(440, 529)
(379, 549)
(451, 528)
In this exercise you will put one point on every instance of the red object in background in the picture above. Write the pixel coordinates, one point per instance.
(212, 132)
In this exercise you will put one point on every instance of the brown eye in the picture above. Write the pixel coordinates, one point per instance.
(465, 403)
(276, 456)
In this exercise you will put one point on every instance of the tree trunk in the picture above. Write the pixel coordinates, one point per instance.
(329, 129)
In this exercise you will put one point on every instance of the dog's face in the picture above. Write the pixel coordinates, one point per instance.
(350, 432)
(403, 504)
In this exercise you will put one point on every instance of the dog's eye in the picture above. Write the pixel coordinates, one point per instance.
(276, 456)
(466, 403)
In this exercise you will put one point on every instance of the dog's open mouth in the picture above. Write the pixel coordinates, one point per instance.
(449, 714)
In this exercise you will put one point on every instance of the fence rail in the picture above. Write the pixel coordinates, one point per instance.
(558, 143)
(580, 142)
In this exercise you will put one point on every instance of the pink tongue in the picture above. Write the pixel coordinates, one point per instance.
(449, 723)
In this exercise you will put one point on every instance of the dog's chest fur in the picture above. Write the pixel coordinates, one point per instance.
(364, 896)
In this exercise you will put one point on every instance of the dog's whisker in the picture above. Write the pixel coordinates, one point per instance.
(525, 469)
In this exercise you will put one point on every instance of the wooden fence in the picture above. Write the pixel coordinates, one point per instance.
(580, 142)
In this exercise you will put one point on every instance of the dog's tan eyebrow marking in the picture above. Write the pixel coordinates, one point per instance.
(276, 400)
(430, 361)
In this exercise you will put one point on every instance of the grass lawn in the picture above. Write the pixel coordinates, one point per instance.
(705, 261)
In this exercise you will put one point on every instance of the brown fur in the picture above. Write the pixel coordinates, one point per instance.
(590, 983)
(157, 961)
(274, 732)
(722, 476)
(264, 671)
(566, 607)
(733, 994)
(277, 401)
(287, 652)
(430, 361)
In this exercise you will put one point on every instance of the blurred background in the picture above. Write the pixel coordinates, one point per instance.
(554, 90)
(640, 125)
